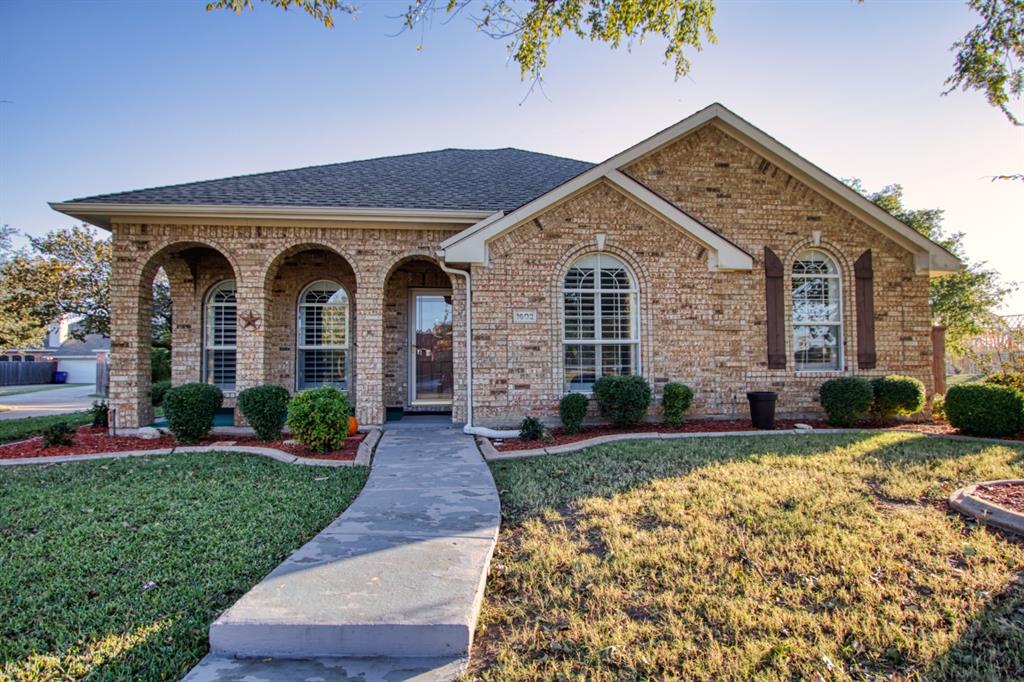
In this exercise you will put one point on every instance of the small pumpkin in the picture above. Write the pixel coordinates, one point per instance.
(353, 426)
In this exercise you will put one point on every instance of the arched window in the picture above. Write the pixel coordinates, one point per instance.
(817, 313)
(323, 336)
(601, 325)
(221, 335)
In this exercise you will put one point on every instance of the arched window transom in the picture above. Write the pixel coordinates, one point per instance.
(323, 331)
(600, 323)
(817, 312)
(219, 352)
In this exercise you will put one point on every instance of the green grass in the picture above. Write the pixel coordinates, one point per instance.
(772, 558)
(19, 429)
(19, 390)
(79, 543)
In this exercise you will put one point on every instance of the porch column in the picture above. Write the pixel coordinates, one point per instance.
(130, 326)
(186, 321)
(369, 372)
(250, 344)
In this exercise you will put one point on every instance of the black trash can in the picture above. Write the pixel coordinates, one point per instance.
(762, 409)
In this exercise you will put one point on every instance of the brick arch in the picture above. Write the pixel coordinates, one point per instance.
(172, 247)
(409, 257)
(269, 267)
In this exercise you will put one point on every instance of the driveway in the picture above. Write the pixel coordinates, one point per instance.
(43, 403)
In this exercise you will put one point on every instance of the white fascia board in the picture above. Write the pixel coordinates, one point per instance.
(722, 253)
(102, 214)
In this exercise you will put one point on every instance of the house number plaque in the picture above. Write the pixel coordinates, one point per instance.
(524, 315)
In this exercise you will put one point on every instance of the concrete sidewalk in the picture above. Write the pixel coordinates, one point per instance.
(395, 582)
(42, 403)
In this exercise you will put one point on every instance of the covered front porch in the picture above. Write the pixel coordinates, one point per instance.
(311, 314)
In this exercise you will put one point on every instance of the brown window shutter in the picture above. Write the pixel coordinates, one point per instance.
(775, 308)
(865, 295)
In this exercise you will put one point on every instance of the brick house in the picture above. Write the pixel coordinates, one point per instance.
(709, 253)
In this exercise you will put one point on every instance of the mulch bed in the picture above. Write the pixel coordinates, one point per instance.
(558, 437)
(90, 440)
(1008, 495)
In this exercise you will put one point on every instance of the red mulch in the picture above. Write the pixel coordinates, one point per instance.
(558, 437)
(89, 440)
(1008, 495)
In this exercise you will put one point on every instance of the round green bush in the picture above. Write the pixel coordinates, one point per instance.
(265, 408)
(190, 409)
(531, 429)
(573, 410)
(158, 391)
(622, 400)
(675, 401)
(897, 395)
(845, 399)
(318, 418)
(985, 409)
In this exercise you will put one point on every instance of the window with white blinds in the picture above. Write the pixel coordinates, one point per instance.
(323, 331)
(219, 341)
(600, 325)
(817, 312)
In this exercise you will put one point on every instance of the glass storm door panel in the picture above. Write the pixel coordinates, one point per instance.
(430, 343)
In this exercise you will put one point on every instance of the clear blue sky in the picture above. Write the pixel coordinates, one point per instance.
(109, 96)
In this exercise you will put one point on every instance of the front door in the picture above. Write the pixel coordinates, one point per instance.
(430, 348)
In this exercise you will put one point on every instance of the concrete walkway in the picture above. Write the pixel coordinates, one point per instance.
(390, 590)
(42, 403)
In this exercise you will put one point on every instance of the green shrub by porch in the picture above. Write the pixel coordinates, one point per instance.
(985, 409)
(573, 410)
(531, 429)
(897, 395)
(318, 418)
(158, 391)
(622, 400)
(675, 401)
(265, 408)
(846, 399)
(190, 409)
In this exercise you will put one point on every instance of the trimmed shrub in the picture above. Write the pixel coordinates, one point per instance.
(622, 400)
(845, 399)
(939, 407)
(573, 410)
(897, 395)
(58, 434)
(318, 418)
(1011, 379)
(190, 409)
(100, 413)
(531, 429)
(160, 364)
(158, 391)
(985, 409)
(266, 409)
(675, 401)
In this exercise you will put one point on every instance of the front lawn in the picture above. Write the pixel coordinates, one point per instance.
(114, 570)
(777, 558)
(26, 427)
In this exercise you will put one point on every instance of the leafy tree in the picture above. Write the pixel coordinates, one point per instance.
(529, 26)
(963, 302)
(990, 58)
(65, 272)
(162, 319)
(19, 327)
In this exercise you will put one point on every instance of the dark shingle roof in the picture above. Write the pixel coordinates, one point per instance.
(447, 179)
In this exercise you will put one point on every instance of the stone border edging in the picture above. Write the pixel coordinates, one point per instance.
(363, 454)
(966, 502)
(492, 454)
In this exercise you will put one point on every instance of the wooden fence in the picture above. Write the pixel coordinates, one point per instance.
(20, 373)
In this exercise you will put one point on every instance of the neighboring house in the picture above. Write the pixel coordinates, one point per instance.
(709, 254)
(77, 357)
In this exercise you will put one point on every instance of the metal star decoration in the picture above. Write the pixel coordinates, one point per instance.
(250, 319)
